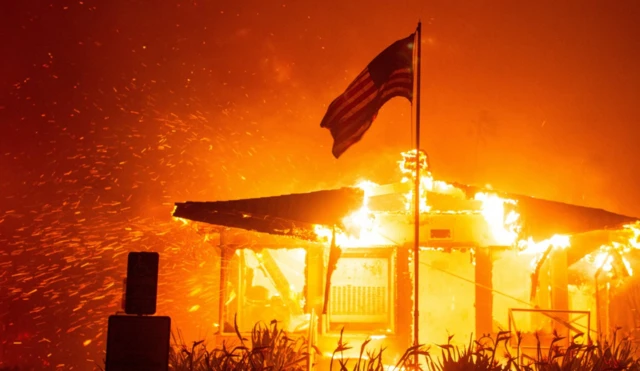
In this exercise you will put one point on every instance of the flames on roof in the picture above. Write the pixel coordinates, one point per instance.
(296, 214)
(531, 225)
(541, 219)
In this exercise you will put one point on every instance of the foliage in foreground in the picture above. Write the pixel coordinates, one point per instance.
(496, 355)
(271, 349)
(268, 349)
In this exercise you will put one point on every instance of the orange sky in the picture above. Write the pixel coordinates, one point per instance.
(111, 111)
(554, 84)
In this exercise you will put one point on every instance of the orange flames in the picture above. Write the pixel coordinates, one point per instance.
(603, 261)
(362, 229)
(500, 214)
(537, 249)
(361, 226)
(610, 254)
(408, 169)
(503, 225)
(530, 247)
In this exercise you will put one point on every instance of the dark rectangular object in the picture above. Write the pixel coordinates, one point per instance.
(440, 234)
(142, 283)
(138, 343)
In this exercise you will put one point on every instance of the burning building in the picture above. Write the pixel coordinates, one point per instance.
(334, 261)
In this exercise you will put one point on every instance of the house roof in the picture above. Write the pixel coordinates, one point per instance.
(296, 214)
(290, 215)
(541, 219)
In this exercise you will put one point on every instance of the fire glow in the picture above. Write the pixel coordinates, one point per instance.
(503, 228)
(490, 219)
(361, 229)
(361, 226)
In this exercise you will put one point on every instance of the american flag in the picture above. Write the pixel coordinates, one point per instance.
(388, 75)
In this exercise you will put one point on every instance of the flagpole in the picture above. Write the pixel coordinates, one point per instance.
(416, 244)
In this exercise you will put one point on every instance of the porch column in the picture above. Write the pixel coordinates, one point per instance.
(315, 275)
(559, 281)
(483, 291)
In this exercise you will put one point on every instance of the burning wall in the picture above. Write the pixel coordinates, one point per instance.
(480, 249)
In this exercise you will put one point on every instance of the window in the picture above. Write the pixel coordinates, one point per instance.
(362, 291)
(264, 286)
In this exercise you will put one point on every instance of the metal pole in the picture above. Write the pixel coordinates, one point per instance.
(416, 245)
(224, 263)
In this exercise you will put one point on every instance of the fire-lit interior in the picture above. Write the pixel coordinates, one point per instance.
(480, 270)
